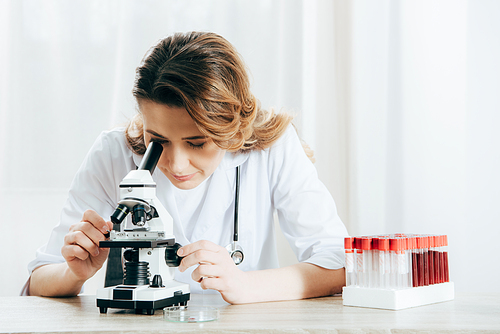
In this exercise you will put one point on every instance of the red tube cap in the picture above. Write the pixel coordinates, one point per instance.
(396, 244)
(383, 244)
(366, 243)
(348, 243)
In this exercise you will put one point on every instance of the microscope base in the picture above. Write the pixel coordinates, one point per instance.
(142, 297)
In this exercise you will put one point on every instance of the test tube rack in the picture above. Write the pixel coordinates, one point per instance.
(396, 271)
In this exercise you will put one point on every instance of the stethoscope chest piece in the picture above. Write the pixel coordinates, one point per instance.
(235, 252)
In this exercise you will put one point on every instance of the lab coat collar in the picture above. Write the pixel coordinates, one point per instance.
(233, 159)
(137, 159)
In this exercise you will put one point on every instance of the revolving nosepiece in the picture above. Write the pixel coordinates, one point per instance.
(151, 157)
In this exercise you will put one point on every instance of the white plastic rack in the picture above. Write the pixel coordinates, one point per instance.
(396, 271)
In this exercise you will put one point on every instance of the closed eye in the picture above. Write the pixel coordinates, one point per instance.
(196, 146)
(159, 141)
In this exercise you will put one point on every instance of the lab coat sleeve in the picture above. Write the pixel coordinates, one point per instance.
(94, 187)
(306, 210)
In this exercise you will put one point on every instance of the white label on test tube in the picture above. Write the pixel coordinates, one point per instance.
(401, 269)
(349, 261)
(387, 274)
(384, 258)
(381, 268)
(367, 261)
(395, 246)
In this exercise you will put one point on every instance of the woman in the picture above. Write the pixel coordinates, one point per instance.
(193, 97)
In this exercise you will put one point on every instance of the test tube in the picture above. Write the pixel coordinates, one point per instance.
(426, 260)
(384, 260)
(420, 261)
(350, 277)
(394, 245)
(366, 246)
(446, 268)
(414, 261)
(375, 277)
(437, 260)
(402, 273)
(359, 261)
(441, 259)
(431, 259)
(408, 276)
(407, 262)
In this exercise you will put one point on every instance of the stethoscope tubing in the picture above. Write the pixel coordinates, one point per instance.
(236, 204)
(235, 250)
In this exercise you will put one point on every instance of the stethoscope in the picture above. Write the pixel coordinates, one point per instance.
(234, 249)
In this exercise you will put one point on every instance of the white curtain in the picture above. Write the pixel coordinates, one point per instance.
(423, 121)
(397, 98)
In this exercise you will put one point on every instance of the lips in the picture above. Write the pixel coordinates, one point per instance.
(182, 178)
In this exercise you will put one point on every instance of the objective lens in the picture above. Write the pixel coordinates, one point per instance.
(120, 213)
(139, 215)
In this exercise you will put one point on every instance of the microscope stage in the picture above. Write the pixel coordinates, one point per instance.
(136, 243)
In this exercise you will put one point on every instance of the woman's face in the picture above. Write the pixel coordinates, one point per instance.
(188, 156)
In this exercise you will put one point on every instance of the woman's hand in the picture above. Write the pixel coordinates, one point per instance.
(216, 270)
(81, 245)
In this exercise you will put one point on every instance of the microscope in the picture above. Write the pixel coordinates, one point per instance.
(150, 249)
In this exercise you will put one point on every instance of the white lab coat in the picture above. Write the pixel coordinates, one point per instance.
(280, 179)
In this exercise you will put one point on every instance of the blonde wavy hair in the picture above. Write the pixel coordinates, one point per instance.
(203, 73)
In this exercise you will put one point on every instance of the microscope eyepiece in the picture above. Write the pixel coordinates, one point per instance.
(151, 157)
(120, 213)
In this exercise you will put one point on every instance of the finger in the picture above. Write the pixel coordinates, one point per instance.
(93, 217)
(200, 256)
(198, 245)
(72, 252)
(205, 271)
(213, 283)
(110, 227)
(81, 239)
(203, 257)
(89, 230)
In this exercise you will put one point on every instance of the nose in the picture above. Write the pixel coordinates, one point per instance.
(177, 160)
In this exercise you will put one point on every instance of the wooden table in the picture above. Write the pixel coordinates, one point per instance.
(468, 312)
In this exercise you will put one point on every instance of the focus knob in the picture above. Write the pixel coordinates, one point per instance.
(171, 257)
